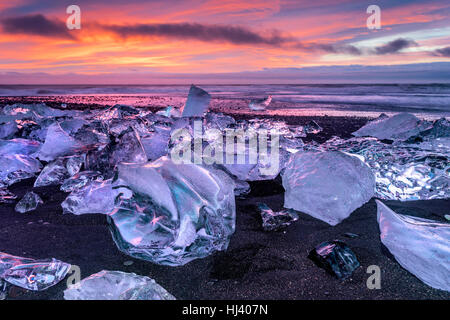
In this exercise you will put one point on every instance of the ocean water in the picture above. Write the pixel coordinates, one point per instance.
(430, 100)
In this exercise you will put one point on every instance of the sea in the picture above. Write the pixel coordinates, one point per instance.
(427, 100)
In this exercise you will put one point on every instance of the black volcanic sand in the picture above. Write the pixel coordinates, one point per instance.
(257, 264)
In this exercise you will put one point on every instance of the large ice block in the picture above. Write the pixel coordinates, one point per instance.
(32, 274)
(16, 167)
(117, 285)
(327, 185)
(197, 102)
(59, 170)
(177, 213)
(421, 246)
(398, 127)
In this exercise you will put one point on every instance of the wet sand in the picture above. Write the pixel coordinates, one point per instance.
(257, 264)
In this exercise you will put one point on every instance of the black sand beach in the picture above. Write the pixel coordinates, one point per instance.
(257, 264)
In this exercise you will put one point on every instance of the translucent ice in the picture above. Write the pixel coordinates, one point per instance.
(29, 202)
(117, 285)
(197, 102)
(7, 196)
(403, 171)
(8, 130)
(19, 146)
(79, 180)
(260, 104)
(177, 213)
(336, 258)
(94, 197)
(398, 127)
(275, 221)
(421, 246)
(169, 112)
(312, 127)
(59, 170)
(58, 143)
(32, 274)
(327, 185)
(16, 167)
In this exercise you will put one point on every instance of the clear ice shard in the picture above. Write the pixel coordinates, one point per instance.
(327, 185)
(7, 196)
(59, 170)
(421, 246)
(336, 258)
(177, 212)
(400, 126)
(79, 180)
(32, 274)
(403, 171)
(94, 197)
(19, 146)
(197, 102)
(117, 285)
(29, 202)
(8, 130)
(170, 112)
(276, 221)
(58, 143)
(16, 167)
(260, 104)
(312, 127)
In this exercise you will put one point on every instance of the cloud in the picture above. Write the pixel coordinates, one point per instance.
(35, 25)
(395, 46)
(443, 52)
(217, 33)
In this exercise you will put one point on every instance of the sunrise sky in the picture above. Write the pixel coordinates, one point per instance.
(165, 41)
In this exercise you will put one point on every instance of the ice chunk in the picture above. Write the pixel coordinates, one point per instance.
(312, 127)
(117, 285)
(398, 127)
(59, 170)
(197, 102)
(276, 221)
(29, 202)
(421, 246)
(79, 180)
(16, 167)
(336, 258)
(58, 143)
(260, 104)
(7, 196)
(19, 146)
(8, 130)
(177, 212)
(126, 148)
(170, 112)
(32, 274)
(94, 197)
(327, 185)
(402, 171)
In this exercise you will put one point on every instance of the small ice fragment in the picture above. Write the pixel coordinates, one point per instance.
(32, 274)
(276, 221)
(447, 216)
(7, 196)
(336, 258)
(117, 285)
(260, 104)
(29, 202)
(197, 102)
(170, 112)
(79, 180)
(421, 246)
(351, 235)
(312, 127)
(327, 185)
(53, 173)
(398, 127)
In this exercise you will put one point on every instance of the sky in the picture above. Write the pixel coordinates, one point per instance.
(223, 41)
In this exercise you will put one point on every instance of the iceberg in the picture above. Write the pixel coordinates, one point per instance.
(398, 127)
(117, 285)
(327, 185)
(29, 202)
(176, 213)
(32, 274)
(276, 221)
(197, 102)
(336, 258)
(421, 246)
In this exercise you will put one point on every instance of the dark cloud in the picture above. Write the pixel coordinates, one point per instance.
(395, 46)
(35, 25)
(216, 33)
(444, 52)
